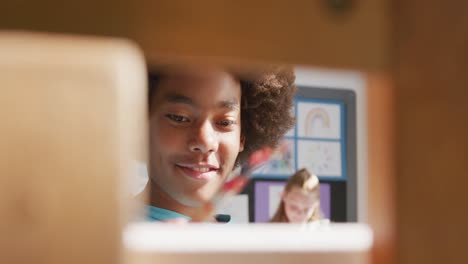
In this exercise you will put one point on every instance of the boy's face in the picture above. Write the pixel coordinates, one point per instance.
(195, 133)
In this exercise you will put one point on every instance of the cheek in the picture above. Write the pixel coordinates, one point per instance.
(234, 141)
(164, 139)
(295, 210)
(290, 211)
(229, 147)
(291, 214)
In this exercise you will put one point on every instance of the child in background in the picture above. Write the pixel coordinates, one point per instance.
(300, 200)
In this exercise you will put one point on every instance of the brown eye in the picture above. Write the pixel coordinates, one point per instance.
(177, 118)
(226, 123)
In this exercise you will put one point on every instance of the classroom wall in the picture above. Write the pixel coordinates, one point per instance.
(352, 80)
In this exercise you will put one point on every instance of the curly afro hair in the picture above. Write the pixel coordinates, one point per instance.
(266, 105)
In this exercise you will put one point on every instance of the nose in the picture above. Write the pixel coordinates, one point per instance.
(204, 138)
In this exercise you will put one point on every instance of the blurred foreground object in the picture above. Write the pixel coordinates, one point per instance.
(332, 33)
(247, 244)
(72, 124)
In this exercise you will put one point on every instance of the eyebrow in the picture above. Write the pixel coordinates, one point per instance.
(177, 98)
(231, 104)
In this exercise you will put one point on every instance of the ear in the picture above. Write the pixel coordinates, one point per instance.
(242, 143)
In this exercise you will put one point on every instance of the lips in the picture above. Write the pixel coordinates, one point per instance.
(202, 172)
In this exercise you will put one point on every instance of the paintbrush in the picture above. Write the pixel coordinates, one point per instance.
(237, 183)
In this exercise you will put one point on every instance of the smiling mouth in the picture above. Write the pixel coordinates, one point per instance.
(199, 173)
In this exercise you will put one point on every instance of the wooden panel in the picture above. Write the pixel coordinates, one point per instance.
(431, 83)
(242, 257)
(300, 32)
(71, 120)
(381, 179)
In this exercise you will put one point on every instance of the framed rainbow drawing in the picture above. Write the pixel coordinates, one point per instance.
(323, 140)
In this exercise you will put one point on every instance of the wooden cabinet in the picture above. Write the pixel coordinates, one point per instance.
(352, 34)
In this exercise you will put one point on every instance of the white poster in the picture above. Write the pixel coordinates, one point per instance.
(322, 158)
(290, 133)
(237, 206)
(274, 198)
(318, 120)
(281, 162)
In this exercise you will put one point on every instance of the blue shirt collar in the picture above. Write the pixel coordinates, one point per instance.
(160, 214)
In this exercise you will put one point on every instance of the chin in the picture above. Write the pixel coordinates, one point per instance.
(194, 201)
(201, 196)
(297, 221)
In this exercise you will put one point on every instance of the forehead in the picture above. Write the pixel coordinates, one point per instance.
(199, 84)
(300, 196)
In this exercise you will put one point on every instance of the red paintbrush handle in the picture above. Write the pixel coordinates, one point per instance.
(235, 185)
